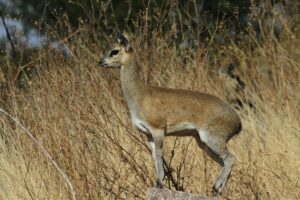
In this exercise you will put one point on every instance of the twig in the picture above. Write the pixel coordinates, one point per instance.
(9, 37)
(44, 151)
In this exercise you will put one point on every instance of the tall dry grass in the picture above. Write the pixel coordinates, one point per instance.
(77, 112)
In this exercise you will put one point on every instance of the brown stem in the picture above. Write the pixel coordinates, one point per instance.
(9, 37)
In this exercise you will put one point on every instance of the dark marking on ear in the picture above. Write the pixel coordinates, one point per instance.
(123, 41)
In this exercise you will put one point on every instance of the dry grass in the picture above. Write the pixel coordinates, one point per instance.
(77, 112)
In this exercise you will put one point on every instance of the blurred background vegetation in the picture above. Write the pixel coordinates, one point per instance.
(122, 14)
(198, 17)
(28, 25)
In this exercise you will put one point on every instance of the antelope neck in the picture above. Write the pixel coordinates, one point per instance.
(132, 85)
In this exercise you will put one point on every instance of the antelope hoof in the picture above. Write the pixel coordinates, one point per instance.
(159, 184)
(217, 188)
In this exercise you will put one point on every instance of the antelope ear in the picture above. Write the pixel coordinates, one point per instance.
(123, 41)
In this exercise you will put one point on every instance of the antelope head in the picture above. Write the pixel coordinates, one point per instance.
(119, 55)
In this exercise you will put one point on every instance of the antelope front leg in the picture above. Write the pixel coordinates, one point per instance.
(156, 142)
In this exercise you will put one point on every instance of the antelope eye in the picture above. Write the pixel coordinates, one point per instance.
(113, 53)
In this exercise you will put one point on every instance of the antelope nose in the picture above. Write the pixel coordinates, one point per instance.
(101, 62)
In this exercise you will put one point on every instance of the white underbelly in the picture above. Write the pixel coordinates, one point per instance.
(180, 127)
(188, 129)
(143, 126)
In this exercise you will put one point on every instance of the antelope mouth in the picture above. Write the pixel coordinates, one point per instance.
(102, 63)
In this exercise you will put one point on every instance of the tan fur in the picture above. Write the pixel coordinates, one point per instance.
(160, 112)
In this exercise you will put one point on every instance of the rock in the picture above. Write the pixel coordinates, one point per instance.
(165, 194)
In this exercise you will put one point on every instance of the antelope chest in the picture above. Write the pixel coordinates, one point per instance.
(139, 123)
